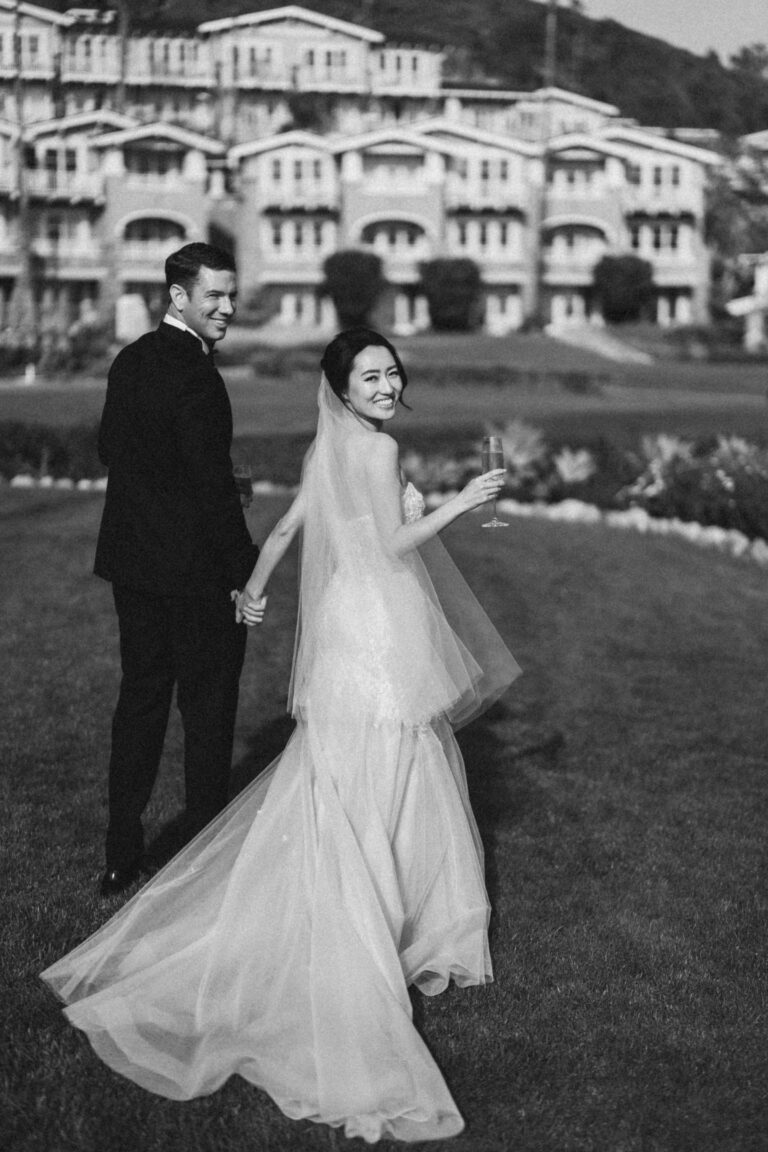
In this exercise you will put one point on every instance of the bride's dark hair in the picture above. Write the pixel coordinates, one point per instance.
(339, 356)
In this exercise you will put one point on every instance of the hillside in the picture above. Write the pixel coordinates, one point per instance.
(502, 42)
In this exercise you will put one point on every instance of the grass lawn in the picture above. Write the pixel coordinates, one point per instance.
(622, 796)
(625, 401)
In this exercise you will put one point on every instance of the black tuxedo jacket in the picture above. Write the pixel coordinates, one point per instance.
(173, 524)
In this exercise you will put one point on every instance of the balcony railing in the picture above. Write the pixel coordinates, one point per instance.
(482, 194)
(148, 251)
(68, 249)
(656, 201)
(313, 196)
(74, 185)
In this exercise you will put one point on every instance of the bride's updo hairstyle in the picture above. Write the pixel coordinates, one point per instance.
(339, 356)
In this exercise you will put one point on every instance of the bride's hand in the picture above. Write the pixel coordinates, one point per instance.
(250, 609)
(483, 488)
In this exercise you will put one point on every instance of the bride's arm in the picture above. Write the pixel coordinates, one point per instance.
(384, 480)
(252, 600)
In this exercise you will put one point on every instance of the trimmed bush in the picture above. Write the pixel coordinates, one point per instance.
(354, 281)
(624, 286)
(452, 288)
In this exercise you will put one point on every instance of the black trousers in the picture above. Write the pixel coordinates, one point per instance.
(194, 645)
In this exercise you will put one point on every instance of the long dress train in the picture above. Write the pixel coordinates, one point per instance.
(280, 943)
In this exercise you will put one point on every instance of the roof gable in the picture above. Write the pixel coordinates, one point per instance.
(452, 132)
(161, 131)
(103, 119)
(294, 12)
(35, 12)
(292, 139)
(637, 137)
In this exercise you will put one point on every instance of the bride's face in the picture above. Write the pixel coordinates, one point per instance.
(374, 385)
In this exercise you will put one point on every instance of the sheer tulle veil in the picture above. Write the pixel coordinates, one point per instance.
(418, 623)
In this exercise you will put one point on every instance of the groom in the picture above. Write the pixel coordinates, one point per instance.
(174, 544)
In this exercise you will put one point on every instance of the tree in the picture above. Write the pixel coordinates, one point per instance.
(354, 281)
(452, 288)
(624, 285)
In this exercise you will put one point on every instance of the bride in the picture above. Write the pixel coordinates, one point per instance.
(280, 943)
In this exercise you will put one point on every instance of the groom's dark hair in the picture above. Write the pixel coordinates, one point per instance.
(183, 266)
(339, 356)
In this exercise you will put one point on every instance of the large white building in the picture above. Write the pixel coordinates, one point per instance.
(288, 134)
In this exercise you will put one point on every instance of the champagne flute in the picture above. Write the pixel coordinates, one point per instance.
(242, 474)
(493, 457)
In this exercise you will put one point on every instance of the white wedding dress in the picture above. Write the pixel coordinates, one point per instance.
(279, 944)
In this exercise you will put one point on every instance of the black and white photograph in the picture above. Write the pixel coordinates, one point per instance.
(384, 575)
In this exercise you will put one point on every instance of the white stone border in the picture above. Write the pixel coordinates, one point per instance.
(727, 540)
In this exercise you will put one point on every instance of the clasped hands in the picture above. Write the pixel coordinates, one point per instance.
(249, 609)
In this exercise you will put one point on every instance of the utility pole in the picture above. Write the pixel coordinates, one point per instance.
(549, 78)
(123, 32)
(24, 311)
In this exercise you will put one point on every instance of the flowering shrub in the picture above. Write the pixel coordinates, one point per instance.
(722, 482)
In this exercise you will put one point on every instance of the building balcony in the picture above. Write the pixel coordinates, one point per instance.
(148, 252)
(662, 201)
(576, 271)
(173, 75)
(31, 69)
(69, 258)
(307, 198)
(174, 182)
(72, 186)
(482, 196)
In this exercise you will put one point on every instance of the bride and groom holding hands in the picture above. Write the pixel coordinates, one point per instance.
(281, 941)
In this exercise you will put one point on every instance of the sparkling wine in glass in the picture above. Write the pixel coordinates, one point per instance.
(243, 482)
(493, 457)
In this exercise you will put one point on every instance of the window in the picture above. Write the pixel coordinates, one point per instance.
(675, 175)
(298, 234)
(634, 236)
(317, 170)
(483, 232)
(674, 237)
(658, 176)
(503, 233)
(485, 169)
(276, 171)
(503, 170)
(297, 170)
(462, 234)
(414, 64)
(634, 174)
(277, 234)
(657, 237)
(317, 228)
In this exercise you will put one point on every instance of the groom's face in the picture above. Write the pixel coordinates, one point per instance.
(208, 307)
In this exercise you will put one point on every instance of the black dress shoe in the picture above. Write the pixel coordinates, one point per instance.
(116, 880)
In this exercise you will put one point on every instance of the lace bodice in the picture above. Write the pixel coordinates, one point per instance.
(413, 503)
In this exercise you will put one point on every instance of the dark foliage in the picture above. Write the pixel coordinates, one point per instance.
(39, 450)
(452, 289)
(354, 281)
(624, 286)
